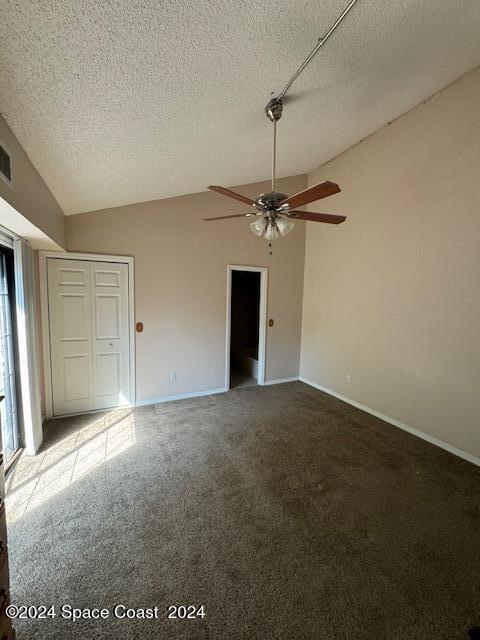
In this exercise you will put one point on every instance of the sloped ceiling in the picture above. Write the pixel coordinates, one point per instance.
(121, 102)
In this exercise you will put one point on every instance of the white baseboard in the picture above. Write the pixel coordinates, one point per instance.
(396, 423)
(197, 394)
(180, 396)
(281, 380)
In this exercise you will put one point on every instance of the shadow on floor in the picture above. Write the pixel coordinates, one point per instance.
(240, 379)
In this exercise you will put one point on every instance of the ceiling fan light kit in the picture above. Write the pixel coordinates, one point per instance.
(284, 225)
(258, 227)
(275, 211)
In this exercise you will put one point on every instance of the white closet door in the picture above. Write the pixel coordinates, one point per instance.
(111, 349)
(89, 337)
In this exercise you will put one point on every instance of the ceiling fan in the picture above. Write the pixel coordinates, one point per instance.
(274, 211)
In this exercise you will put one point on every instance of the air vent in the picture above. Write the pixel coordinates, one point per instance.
(5, 165)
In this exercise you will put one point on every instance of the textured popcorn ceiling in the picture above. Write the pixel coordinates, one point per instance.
(118, 102)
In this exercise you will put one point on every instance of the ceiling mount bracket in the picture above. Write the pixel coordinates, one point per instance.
(274, 109)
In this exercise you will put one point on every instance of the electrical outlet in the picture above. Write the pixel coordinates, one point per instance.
(172, 376)
(349, 378)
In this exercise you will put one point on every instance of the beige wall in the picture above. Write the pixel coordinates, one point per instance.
(29, 209)
(392, 295)
(180, 283)
(29, 195)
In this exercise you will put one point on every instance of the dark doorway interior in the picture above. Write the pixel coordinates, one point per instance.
(244, 332)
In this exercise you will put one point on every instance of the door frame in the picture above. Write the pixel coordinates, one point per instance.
(7, 242)
(262, 320)
(43, 256)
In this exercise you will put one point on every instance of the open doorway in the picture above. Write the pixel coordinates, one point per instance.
(246, 326)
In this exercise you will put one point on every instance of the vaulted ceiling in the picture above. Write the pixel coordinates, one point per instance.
(121, 102)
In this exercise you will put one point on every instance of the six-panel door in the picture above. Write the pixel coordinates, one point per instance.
(89, 337)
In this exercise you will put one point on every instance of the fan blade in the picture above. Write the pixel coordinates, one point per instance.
(319, 191)
(316, 217)
(232, 194)
(237, 215)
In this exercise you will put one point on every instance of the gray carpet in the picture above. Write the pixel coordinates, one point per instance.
(285, 512)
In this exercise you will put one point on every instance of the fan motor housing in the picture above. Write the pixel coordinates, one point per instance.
(271, 199)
